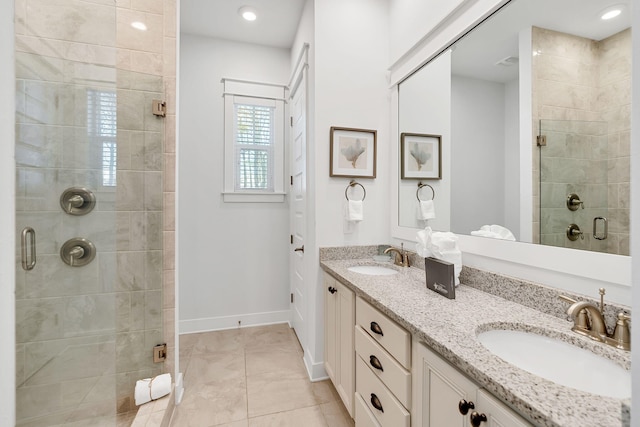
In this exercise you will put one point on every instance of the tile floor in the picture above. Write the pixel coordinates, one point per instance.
(252, 377)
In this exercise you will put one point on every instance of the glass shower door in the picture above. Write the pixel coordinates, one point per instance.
(574, 186)
(89, 185)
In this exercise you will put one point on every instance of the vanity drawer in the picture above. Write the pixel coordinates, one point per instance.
(391, 373)
(393, 338)
(364, 417)
(371, 389)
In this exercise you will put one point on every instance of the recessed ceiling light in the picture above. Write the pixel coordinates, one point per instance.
(139, 25)
(248, 13)
(611, 12)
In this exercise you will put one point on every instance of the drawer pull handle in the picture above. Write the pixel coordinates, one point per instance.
(477, 419)
(332, 289)
(376, 329)
(375, 362)
(464, 406)
(376, 402)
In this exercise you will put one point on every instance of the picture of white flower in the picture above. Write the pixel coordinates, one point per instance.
(421, 158)
(353, 151)
(420, 155)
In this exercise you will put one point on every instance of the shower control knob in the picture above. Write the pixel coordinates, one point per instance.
(77, 252)
(77, 201)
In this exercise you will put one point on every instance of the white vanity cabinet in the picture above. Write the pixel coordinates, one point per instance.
(339, 350)
(383, 362)
(439, 391)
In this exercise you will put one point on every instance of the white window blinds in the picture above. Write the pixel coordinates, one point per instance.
(102, 129)
(254, 147)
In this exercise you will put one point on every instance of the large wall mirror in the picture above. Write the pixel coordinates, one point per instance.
(548, 72)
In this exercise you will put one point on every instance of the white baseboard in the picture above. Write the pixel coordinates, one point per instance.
(208, 324)
(315, 370)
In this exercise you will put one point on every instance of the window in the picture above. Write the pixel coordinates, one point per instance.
(102, 129)
(254, 147)
(254, 142)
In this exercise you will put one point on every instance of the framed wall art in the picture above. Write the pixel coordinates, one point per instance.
(352, 152)
(420, 156)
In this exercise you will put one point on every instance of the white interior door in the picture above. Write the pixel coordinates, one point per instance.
(298, 203)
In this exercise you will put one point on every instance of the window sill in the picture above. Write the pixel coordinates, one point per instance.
(243, 197)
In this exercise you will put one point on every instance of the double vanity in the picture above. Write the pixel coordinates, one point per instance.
(401, 355)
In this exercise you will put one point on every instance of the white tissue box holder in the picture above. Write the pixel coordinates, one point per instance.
(440, 277)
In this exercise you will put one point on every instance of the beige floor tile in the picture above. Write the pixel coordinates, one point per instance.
(286, 363)
(307, 417)
(268, 394)
(212, 404)
(260, 336)
(215, 367)
(242, 423)
(189, 340)
(216, 342)
(324, 391)
(253, 372)
(336, 415)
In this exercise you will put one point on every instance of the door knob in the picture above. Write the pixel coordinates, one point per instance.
(300, 249)
(477, 419)
(464, 406)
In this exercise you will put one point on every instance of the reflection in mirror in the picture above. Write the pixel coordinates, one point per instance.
(526, 75)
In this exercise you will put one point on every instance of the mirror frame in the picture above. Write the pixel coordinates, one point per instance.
(568, 269)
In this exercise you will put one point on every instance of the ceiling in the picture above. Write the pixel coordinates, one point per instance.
(276, 24)
(497, 38)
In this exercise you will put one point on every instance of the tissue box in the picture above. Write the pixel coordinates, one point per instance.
(440, 277)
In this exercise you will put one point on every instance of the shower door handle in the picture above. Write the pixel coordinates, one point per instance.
(606, 228)
(28, 261)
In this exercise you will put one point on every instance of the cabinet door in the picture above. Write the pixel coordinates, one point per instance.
(345, 353)
(437, 389)
(498, 414)
(330, 340)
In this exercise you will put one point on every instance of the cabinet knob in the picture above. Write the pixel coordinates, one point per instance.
(464, 406)
(376, 329)
(477, 419)
(332, 289)
(376, 402)
(375, 362)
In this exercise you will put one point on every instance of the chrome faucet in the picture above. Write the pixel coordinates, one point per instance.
(589, 321)
(404, 257)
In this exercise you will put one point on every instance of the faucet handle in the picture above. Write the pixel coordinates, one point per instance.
(621, 334)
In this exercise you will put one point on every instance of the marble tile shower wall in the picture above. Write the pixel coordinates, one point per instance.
(84, 335)
(583, 80)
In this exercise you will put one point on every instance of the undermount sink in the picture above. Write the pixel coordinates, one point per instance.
(373, 270)
(559, 362)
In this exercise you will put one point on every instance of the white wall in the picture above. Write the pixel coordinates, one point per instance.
(411, 20)
(233, 256)
(477, 159)
(512, 158)
(425, 105)
(7, 217)
(351, 90)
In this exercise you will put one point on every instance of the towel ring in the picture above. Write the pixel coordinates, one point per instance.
(420, 185)
(352, 184)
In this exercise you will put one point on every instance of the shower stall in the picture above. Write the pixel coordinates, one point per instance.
(584, 186)
(90, 164)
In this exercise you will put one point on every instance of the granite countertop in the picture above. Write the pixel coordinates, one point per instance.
(450, 327)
